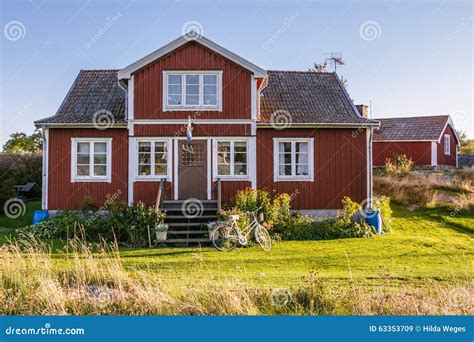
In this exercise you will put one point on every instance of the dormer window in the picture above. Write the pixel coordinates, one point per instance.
(192, 90)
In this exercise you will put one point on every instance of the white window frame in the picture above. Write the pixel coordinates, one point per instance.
(152, 175)
(447, 145)
(232, 143)
(276, 160)
(108, 173)
(183, 106)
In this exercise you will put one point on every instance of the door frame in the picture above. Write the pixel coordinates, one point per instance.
(176, 165)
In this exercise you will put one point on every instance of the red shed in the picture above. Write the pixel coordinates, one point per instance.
(428, 140)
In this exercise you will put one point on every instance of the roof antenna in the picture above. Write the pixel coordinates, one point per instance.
(334, 59)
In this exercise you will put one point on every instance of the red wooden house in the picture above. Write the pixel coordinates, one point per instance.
(428, 140)
(125, 132)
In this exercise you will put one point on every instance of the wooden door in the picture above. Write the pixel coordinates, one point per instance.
(192, 169)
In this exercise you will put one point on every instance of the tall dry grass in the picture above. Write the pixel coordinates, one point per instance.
(96, 283)
(429, 189)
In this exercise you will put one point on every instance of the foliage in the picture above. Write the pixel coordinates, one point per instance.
(274, 207)
(88, 204)
(20, 142)
(19, 169)
(400, 165)
(467, 147)
(127, 225)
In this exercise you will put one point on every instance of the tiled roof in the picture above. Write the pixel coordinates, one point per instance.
(91, 92)
(308, 97)
(411, 128)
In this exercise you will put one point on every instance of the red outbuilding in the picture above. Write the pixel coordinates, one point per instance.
(427, 140)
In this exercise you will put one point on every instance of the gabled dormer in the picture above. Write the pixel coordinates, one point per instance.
(192, 76)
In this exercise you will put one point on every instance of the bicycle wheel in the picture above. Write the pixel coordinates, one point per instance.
(225, 237)
(263, 238)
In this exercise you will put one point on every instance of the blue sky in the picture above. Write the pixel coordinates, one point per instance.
(405, 57)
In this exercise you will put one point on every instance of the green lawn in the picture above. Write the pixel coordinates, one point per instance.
(21, 221)
(418, 250)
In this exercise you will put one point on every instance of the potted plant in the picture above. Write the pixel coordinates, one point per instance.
(161, 230)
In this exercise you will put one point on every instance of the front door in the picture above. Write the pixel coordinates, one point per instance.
(192, 173)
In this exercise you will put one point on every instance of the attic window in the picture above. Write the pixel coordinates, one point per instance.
(201, 90)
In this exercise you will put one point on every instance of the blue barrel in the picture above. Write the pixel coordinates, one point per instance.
(40, 215)
(374, 219)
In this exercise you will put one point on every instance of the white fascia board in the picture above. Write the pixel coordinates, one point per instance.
(128, 70)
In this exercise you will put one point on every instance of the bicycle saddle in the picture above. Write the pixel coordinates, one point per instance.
(234, 217)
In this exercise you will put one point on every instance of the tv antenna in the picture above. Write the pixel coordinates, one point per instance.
(334, 59)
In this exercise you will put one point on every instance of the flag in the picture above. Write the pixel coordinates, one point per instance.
(189, 131)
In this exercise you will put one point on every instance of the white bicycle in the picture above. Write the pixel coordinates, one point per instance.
(226, 236)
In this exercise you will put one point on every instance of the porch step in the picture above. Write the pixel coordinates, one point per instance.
(184, 227)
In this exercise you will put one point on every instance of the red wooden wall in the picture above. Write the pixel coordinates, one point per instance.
(420, 151)
(236, 83)
(340, 167)
(62, 194)
(445, 159)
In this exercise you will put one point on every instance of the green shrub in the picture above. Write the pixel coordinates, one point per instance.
(304, 228)
(126, 225)
(400, 165)
(274, 207)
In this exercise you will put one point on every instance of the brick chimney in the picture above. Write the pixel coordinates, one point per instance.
(363, 110)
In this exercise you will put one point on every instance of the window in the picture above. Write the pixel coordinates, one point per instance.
(447, 144)
(232, 158)
(293, 159)
(91, 159)
(192, 90)
(153, 161)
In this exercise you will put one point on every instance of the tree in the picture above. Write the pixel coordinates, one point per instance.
(21, 142)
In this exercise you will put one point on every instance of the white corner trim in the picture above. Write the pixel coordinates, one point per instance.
(175, 168)
(209, 168)
(128, 70)
(44, 186)
(253, 98)
(450, 123)
(369, 132)
(131, 99)
(434, 153)
(252, 160)
(183, 107)
(132, 161)
(276, 176)
(87, 179)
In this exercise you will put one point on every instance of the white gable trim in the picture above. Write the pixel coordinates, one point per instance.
(450, 123)
(128, 70)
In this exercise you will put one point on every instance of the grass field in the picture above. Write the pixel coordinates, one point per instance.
(420, 247)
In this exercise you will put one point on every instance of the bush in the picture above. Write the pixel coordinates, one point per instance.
(126, 225)
(274, 207)
(401, 164)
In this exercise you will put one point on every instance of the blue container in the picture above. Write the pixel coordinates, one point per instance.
(40, 215)
(374, 219)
